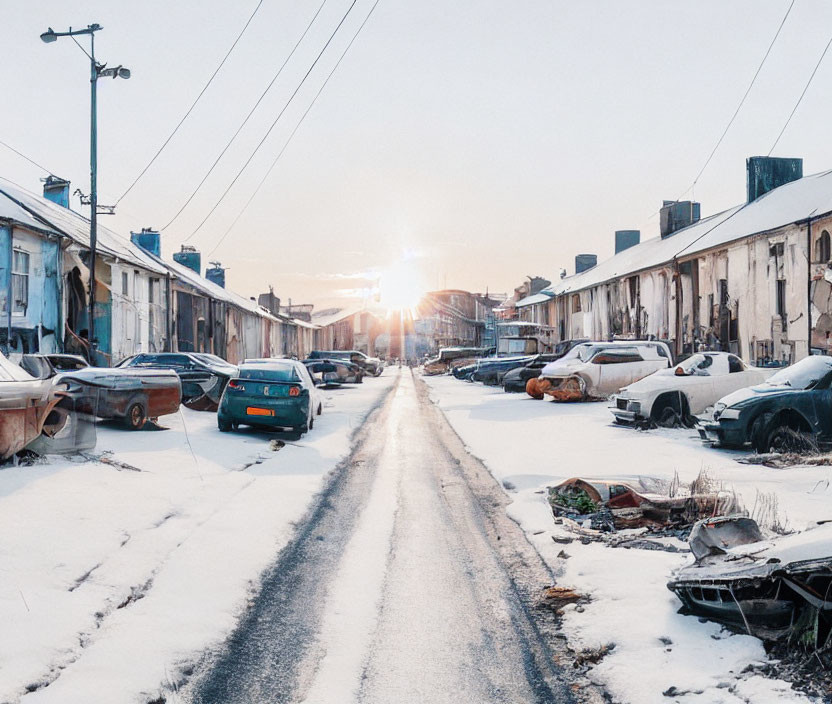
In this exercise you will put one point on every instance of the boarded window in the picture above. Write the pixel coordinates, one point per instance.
(20, 282)
(576, 303)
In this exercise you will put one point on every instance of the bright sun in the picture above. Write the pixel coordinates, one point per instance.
(400, 286)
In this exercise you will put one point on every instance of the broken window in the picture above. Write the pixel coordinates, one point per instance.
(20, 282)
(735, 364)
(781, 300)
(823, 248)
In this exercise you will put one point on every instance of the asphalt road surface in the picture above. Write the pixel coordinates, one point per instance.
(405, 583)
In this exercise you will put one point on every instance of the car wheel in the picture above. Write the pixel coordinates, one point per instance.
(136, 415)
(320, 409)
(224, 424)
(783, 439)
(669, 418)
(310, 423)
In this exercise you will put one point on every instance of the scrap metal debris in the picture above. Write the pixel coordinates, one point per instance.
(612, 505)
(783, 460)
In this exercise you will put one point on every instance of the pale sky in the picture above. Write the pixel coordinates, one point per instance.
(482, 141)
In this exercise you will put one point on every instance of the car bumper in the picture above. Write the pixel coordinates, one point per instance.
(285, 413)
(722, 434)
(624, 416)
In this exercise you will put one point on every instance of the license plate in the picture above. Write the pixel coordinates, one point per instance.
(259, 411)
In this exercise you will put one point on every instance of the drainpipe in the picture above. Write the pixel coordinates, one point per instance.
(9, 293)
(168, 331)
(809, 283)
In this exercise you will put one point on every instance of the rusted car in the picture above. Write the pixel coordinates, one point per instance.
(130, 395)
(28, 407)
(633, 507)
(769, 588)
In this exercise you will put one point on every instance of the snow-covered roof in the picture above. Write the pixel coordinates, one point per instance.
(791, 203)
(333, 315)
(521, 323)
(48, 215)
(541, 297)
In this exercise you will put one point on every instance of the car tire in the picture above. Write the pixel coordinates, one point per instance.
(320, 409)
(669, 418)
(782, 438)
(136, 415)
(223, 424)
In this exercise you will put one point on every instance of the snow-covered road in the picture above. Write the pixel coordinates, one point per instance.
(529, 445)
(114, 581)
(394, 590)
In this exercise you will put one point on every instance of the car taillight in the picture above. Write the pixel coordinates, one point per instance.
(294, 391)
(236, 385)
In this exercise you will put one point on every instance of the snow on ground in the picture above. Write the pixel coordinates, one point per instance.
(112, 581)
(529, 445)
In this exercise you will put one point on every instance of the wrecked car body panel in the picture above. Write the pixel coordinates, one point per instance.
(27, 408)
(767, 588)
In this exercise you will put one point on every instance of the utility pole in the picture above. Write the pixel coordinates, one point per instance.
(96, 70)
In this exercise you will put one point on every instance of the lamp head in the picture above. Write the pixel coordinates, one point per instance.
(49, 36)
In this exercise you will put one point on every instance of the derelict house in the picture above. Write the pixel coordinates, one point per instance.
(754, 279)
(44, 277)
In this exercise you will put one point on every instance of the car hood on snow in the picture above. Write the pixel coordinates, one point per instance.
(741, 395)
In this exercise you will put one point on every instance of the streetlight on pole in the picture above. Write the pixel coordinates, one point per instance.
(96, 70)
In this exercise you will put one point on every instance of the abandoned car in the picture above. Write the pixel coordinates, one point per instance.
(203, 377)
(766, 588)
(277, 394)
(490, 370)
(371, 365)
(629, 506)
(516, 379)
(28, 407)
(599, 369)
(671, 397)
(130, 395)
(335, 371)
(793, 408)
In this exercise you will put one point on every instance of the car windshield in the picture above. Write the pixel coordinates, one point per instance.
(697, 364)
(803, 375)
(273, 372)
(211, 358)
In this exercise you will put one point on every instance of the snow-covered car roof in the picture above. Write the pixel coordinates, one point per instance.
(9, 371)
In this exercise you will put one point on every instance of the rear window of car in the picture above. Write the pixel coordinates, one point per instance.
(282, 372)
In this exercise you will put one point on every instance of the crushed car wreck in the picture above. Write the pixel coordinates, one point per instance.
(617, 505)
(772, 589)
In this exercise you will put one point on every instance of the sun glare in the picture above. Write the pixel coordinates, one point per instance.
(400, 286)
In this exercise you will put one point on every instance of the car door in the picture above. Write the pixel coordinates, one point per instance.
(822, 405)
(617, 367)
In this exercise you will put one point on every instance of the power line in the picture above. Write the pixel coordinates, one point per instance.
(800, 99)
(272, 126)
(31, 161)
(745, 95)
(247, 118)
(193, 105)
(737, 111)
(297, 126)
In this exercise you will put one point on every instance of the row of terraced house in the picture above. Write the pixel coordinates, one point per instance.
(142, 302)
(754, 279)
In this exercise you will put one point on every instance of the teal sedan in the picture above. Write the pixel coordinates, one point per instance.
(277, 394)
